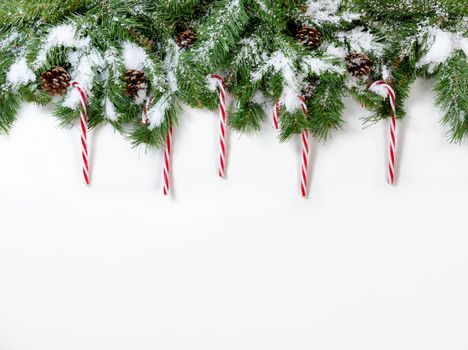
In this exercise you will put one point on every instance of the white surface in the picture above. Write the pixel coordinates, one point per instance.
(242, 264)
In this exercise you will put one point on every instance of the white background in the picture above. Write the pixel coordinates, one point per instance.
(236, 264)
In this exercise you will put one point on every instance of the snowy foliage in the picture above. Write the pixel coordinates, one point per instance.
(64, 35)
(379, 90)
(157, 113)
(317, 66)
(134, 56)
(85, 66)
(440, 46)
(328, 11)
(215, 30)
(9, 39)
(109, 109)
(20, 73)
(278, 62)
(361, 40)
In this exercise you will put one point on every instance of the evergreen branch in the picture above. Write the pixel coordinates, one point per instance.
(451, 92)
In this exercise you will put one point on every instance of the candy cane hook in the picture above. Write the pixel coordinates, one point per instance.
(167, 163)
(222, 125)
(276, 111)
(392, 130)
(305, 153)
(83, 130)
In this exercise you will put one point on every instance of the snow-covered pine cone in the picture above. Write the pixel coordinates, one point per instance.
(55, 81)
(186, 38)
(308, 90)
(358, 64)
(309, 37)
(136, 81)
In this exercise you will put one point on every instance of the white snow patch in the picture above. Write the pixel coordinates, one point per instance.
(292, 80)
(110, 112)
(327, 11)
(362, 41)
(356, 83)
(20, 73)
(141, 95)
(259, 98)
(63, 35)
(440, 47)
(314, 65)
(335, 51)
(386, 73)
(134, 56)
(211, 82)
(84, 66)
(157, 113)
(379, 90)
(9, 39)
(171, 62)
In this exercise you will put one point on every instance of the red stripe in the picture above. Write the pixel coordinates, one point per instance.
(85, 160)
(167, 165)
(85, 175)
(84, 146)
(222, 124)
(84, 131)
(276, 115)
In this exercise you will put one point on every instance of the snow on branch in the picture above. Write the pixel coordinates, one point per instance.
(440, 46)
(278, 62)
(63, 35)
(328, 11)
(157, 113)
(361, 40)
(20, 74)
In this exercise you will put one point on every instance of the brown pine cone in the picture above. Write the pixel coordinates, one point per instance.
(136, 81)
(141, 38)
(309, 37)
(186, 39)
(359, 64)
(55, 81)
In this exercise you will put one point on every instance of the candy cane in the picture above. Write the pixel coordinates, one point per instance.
(276, 111)
(222, 125)
(167, 163)
(84, 131)
(144, 117)
(167, 151)
(392, 146)
(305, 153)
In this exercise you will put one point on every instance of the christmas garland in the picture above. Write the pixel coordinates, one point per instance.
(135, 63)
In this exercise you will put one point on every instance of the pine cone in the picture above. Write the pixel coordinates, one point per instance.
(136, 81)
(309, 36)
(55, 81)
(141, 38)
(309, 90)
(359, 64)
(186, 39)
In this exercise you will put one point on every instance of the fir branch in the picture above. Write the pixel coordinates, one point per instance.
(9, 105)
(451, 92)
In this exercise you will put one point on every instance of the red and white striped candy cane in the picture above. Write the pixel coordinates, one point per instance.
(222, 125)
(167, 163)
(305, 153)
(392, 145)
(83, 130)
(167, 151)
(147, 105)
(276, 111)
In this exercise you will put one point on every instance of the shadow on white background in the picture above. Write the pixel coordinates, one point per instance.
(243, 263)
